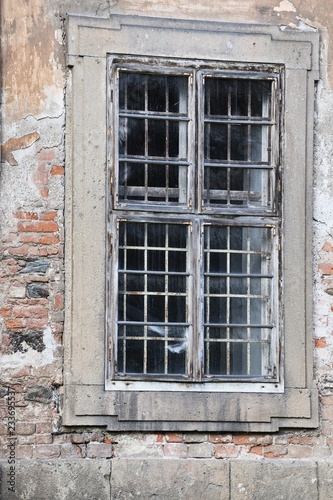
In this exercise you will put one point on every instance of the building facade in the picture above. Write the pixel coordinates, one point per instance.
(166, 244)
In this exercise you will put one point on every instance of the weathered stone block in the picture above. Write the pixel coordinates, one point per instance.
(39, 393)
(200, 450)
(58, 480)
(166, 479)
(37, 291)
(35, 267)
(325, 475)
(285, 479)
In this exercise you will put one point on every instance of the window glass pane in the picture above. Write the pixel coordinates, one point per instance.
(237, 141)
(153, 144)
(237, 304)
(153, 298)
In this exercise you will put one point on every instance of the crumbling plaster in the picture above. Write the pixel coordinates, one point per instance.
(33, 121)
(33, 56)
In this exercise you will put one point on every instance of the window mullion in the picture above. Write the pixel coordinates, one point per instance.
(197, 302)
(145, 299)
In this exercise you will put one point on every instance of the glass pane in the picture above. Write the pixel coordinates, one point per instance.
(134, 356)
(153, 301)
(261, 92)
(238, 300)
(216, 358)
(235, 137)
(216, 96)
(155, 356)
(216, 142)
(157, 133)
(131, 92)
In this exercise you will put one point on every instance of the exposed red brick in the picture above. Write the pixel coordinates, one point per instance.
(57, 170)
(43, 439)
(256, 450)
(28, 238)
(48, 215)
(327, 413)
(43, 426)
(40, 175)
(159, 438)
(226, 451)
(5, 311)
(44, 192)
(25, 428)
(275, 451)
(326, 268)
(46, 155)
(248, 439)
(328, 247)
(38, 227)
(303, 440)
(326, 400)
(38, 324)
(48, 451)
(220, 438)
(15, 324)
(50, 250)
(78, 438)
(319, 343)
(22, 250)
(174, 438)
(30, 312)
(49, 240)
(25, 215)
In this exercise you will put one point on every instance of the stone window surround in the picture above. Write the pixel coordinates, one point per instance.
(90, 40)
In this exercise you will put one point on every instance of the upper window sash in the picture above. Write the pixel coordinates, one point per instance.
(238, 144)
(156, 164)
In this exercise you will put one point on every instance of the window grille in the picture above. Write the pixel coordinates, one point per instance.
(195, 226)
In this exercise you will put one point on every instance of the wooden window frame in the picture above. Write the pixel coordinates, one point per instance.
(202, 215)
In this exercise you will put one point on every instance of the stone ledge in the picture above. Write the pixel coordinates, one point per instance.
(57, 480)
(162, 479)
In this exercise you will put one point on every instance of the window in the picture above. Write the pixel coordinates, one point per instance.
(188, 283)
(194, 222)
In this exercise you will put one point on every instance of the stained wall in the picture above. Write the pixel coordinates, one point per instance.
(32, 178)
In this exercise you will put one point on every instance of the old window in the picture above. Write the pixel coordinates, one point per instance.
(188, 282)
(196, 291)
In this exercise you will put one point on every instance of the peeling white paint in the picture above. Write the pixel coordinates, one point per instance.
(31, 357)
(58, 36)
(285, 6)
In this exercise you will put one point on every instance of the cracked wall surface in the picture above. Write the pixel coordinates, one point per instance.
(32, 179)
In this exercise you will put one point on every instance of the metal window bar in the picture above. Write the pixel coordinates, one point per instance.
(153, 330)
(255, 192)
(256, 361)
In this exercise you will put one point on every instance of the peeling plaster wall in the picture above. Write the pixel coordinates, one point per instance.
(32, 180)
